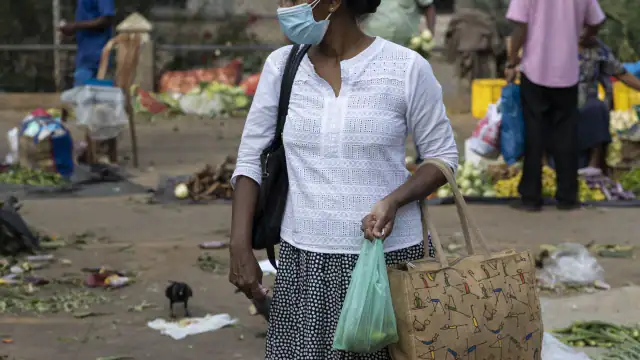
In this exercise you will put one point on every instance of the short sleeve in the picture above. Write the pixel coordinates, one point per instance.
(260, 126)
(595, 15)
(424, 3)
(519, 11)
(106, 8)
(610, 65)
(426, 115)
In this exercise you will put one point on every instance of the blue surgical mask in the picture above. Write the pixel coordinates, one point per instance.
(299, 26)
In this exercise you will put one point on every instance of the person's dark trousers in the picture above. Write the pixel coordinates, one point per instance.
(550, 117)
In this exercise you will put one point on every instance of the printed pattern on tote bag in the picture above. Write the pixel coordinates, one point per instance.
(483, 310)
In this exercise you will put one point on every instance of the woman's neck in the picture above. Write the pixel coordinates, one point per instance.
(343, 42)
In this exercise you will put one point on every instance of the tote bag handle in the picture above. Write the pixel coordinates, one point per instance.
(466, 220)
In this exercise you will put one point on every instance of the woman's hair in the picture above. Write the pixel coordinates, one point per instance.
(362, 7)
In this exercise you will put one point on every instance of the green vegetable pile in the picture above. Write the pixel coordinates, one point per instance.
(17, 300)
(25, 176)
(208, 99)
(598, 334)
(631, 181)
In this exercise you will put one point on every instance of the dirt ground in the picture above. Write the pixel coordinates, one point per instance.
(160, 243)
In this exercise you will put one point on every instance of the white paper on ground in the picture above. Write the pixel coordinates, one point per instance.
(191, 326)
(266, 267)
(553, 349)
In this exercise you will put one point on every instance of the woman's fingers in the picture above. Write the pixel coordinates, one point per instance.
(258, 292)
(376, 228)
(368, 222)
(382, 228)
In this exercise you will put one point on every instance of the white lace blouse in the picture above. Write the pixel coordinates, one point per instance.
(345, 153)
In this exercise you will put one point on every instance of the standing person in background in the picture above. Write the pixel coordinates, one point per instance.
(398, 21)
(93, 28)
(548, 31)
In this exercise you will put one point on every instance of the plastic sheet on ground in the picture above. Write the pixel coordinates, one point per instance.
(94, 181)
(553, 349)
(164, 192)
(570, 264)
(547, 202)
(191, 326)
(267, 268)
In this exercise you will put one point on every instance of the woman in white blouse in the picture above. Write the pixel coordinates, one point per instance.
(354, 101)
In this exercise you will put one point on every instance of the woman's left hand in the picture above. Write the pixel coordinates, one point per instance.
(378, 224)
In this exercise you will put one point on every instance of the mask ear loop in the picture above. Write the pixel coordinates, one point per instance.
(315, 3)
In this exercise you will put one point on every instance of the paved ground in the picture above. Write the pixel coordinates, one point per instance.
(159, 243)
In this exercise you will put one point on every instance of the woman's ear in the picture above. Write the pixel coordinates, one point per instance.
(334, 5)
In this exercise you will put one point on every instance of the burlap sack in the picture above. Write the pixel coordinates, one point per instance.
(35, 156)
(480, 307)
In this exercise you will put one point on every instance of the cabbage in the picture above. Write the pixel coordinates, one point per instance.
(415, 43)
(241, 102)
(443, 193)
(428, 46)
(195, 91)
(426, 36)
(170, 100)
(470, 192)
(201, 104)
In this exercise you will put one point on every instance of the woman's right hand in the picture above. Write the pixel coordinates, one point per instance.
(245, 272)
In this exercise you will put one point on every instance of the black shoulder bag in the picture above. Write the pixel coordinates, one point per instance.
(275, 181)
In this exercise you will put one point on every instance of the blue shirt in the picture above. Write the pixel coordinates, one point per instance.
(91, 42)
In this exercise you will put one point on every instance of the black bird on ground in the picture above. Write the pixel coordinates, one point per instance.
(178, 292)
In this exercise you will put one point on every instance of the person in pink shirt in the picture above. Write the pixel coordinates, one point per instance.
(548, 32)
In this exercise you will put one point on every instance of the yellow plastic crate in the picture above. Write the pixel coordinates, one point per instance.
(487, 91)
(624, 97)
(483, 93)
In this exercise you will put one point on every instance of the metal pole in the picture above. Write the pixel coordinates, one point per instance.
(57, 39)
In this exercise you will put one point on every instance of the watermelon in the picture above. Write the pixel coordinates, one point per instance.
(149, 103)
(250, 84)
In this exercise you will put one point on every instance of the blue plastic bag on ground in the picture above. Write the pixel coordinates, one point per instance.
(367, 322)
(512, 130)
(50, 143)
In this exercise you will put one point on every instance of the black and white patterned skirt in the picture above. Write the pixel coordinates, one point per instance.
(309, 291)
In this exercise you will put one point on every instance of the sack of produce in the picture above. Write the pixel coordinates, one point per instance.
(44, 143)
(485, 140)
(512, 130)
(101, 110)
(367, 322)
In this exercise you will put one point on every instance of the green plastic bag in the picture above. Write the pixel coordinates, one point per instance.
(367, 322)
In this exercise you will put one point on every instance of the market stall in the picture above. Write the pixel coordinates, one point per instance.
(42, 163)
(485, 177)
(214, 92)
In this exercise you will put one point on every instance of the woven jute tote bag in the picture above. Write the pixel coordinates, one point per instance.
(483, 306)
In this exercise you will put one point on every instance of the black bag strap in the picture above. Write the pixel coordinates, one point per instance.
(288, 76)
